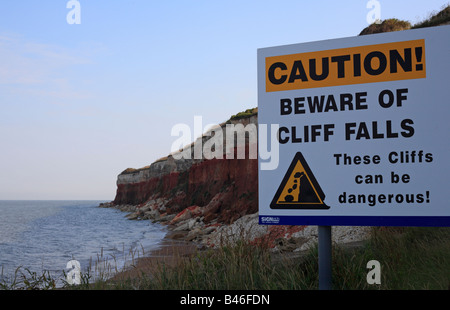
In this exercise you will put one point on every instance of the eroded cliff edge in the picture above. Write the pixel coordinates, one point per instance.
(225, 189)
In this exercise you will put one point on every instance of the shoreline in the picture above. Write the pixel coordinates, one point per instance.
(169, 252)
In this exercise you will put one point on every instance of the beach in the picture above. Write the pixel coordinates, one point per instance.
(170, 253)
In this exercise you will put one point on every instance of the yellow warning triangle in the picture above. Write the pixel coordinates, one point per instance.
(299, 188)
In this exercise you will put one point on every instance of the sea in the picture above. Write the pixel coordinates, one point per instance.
(42, 237)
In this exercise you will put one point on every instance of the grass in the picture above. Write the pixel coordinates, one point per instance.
(435, 19)
(414, 258)
(244, 114)
(393, 24)
(410, 258)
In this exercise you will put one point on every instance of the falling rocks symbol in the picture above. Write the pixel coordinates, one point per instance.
(299, 188)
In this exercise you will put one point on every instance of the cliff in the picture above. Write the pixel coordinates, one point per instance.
(226, 189)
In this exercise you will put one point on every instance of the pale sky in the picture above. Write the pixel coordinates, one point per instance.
(81, 103)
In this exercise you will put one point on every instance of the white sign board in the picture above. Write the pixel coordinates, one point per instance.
(362, 126)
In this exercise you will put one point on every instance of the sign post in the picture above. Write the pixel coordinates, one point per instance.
(357, 130)
(325, 256)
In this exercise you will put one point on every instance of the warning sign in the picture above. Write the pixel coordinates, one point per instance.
(354, 131)
(299, 188)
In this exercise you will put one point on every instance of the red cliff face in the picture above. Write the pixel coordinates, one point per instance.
(226, 188)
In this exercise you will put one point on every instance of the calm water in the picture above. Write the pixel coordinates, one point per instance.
(45, 235)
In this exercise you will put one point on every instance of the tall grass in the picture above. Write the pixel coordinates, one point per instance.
(413, 258)
(410, 258)
(238, 266)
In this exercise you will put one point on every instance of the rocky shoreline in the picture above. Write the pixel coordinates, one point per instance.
(189, 226)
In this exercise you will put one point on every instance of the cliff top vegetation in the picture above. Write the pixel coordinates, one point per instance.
(393, 24)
